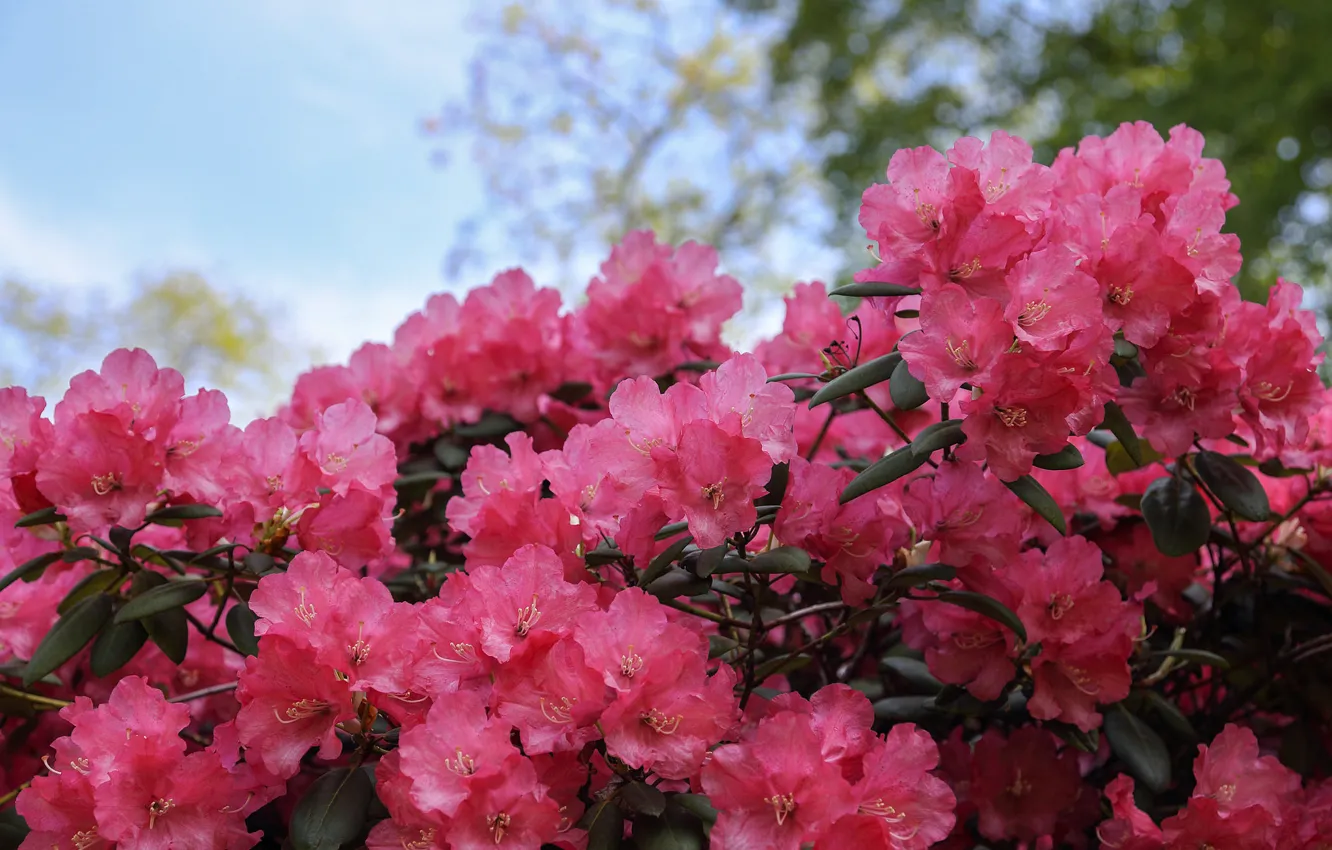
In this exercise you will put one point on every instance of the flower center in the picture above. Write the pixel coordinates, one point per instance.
(425, 839)
(631, 663)
(1060, 604)
(660, 722)
(1268, 392)
(84, 838)
(560, 711)
(158, 808)
(715, 493)
(1184, 397)
(462, 764)
(498, 825)
(528, 616)
(1082, 681)
(1013, 417)
(1020, 786)
(305, 611)
(104, 484)
(361, 649)
(961, 354)
(303, 710)
(1033, 312)
(782, 806)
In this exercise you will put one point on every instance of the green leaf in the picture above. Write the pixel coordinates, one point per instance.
(33, 568)
(675, 583)
(605, 828)
(183, 512)
(1176, 515)
(987, 606)
(1139, 747)
(1170, 713)
(1197, 656)
(780, 664)
(668, 531)
(657, 566)
(778, 480)
(489, 426)
(783, 559)
(1236, 487)
(1274, 468)
(13, 829)
(46, 516)
(921, 574)
(332, 812)
(865, 375)
(570, 392)
(164, 597)
(1029, 490)
(914, 671)
(240, 626)
(116, 646)
(1066, 458)
(450, 455)
(643, 798)
(719, 646)
(71, 633)
(875, 290)
(676, 829)
(883, 471)
(904, 709)
(1118, 461)
(603, 555)
(170, 630)
(940, 435)
(258, 562)
(709, 560)
(906, 390)
(697, 805)
(1117, 423)
(96, 582)
(791, 376)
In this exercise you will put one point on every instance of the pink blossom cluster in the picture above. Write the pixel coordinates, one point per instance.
(1034, 280)
(531, 568)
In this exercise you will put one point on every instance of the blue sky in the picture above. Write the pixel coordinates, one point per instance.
(271, 144)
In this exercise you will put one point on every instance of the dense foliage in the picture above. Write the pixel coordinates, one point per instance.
(1031, 551)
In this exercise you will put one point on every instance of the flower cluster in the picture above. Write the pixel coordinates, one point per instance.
(530, 577)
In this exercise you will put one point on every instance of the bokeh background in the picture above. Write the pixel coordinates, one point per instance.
(251, 187)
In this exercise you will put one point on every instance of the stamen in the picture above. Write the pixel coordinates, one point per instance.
(1268, 392)
(305, 611)
(1184, 397)
(462, 764)
(1082, 681)
(1033, 312)
(660, 722)
(1020, 786)
(158, 808)
(1121, 295)
(228, 809)
(558, 712)
(499, 824)
(1060, 604)
(104, 484)
(85, 838)
(528, 616)
(303, 710)
(360, 650)
(48, 765)
(961, 354)
(715, 493)
(427, 837)
(782, 806)
(465, 651)
(1013, 417)
(631, 663)
(881, 810)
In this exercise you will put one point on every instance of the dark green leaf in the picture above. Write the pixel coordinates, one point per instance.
(914, 671)
(182, 512)
(46, 516)
(570, 392)
(1125, 349)
(710, 559)
(783, 559)
(1088, 742)
(79, 553)
(875, 290)
(116, 645)
(449, 455)
(918, 575)
(170, 630)
(904, 709)
(1170, 713)
(657, 566)
(1176, 515)
(603, 555)
(97, 582)
(791, 376)
(775, 491)
(668, 531)
(865, 375)
(697, 805)
(488, 426)
(779, 665)
(698, 366)
(33, 567)
(258, 562)
(1273, 468)
(675, 583)
(906, 390)
(240, 626)
(416, 479)
(1117, 423)
(1029, 490)
(719, 646)
(71, 633)
(1236, 487)
(1066, 458)
(605, 826)
(1197, 656)
(13, 829)
(164, 597)
(940, 435)
(676, 829)
(883, 471)
(332, 812)
(643, 798)
(1139, 747)
(987, 606)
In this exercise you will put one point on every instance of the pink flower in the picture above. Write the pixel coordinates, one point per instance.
(551, 695)
(1022, 411)
(345, 447)
(24, 434)
(130, 387)
(1064, 598)
(667, 725)
(775, 790)
(457, 747)
(1049, 298)
(204, 459)
(961, 647)
(99, 473)
(1231, 772)
(903, 805)
(1072, 679)
(289, 705)
(712, 479)
(739, 388)
(505, 809)
(962, 340)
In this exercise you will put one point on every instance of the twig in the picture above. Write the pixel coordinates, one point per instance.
(206, 692)
(48, 703)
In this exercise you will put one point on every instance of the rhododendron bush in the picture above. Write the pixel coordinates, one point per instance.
(1034, 549)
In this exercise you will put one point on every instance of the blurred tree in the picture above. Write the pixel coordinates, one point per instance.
(216, 339)
(590, 119)
(1255, 78)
